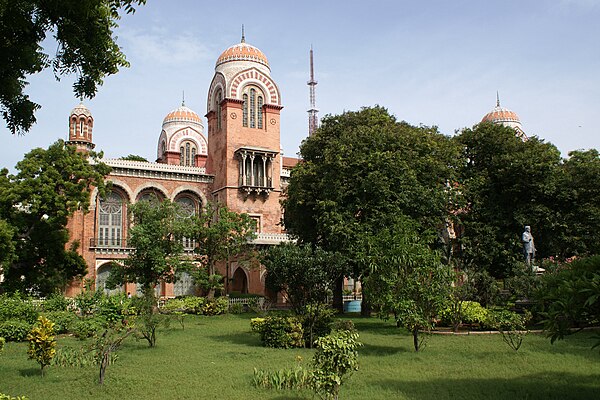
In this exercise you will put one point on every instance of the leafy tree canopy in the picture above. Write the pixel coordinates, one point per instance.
(83, 31)
(133, 157)
(362, 168)
(507, 183)
(407, 278)
(305, 274)
(35, 205)
(220, 234)
(156, 236)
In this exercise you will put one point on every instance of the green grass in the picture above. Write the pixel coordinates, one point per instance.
(214, 358)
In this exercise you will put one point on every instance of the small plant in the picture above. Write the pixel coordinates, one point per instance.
(7, 397)
(2, 342)
(512, 326)
(336, 357)
(180, 317)
(69, 357)
(295, 378)
(42, 344)
(236, 308)
(106, 344)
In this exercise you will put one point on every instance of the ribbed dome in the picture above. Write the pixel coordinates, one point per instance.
(243, 52)
(500, 115)
(81, 110)
(182, 114)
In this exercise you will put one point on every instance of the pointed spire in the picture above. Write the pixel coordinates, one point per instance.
(497, 99)
(183, 98)
(243, 35)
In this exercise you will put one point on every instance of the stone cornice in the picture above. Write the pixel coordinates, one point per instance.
(142, 169)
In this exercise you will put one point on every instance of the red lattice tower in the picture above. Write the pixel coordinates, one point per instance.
(313, 119)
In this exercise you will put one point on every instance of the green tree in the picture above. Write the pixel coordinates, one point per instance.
(220, 234)
(86, 46)
(362, 168)
(35, 205)
(156, 237)
(133, 157)
(304, 274)
(407, 278)
(507, 183)
(570, 298)
(42, 343)
(577, 202)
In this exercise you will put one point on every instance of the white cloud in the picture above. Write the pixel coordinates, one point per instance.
(157, 46)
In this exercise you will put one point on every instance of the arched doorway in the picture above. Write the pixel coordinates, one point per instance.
(102, 275)
(239, 282)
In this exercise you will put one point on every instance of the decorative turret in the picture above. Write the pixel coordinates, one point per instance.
(506, 117)
(182, 141)
(81, 124)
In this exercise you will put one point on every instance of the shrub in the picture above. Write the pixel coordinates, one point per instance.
(471, 312)
(7, 397)
(335, 358)
(63, 320)
(15, 307)
(2, 342)
(42, 344)
(316, 322)
(173, 305)
(256, 324)
(236, 308)
(216, 306)
(115, 308)
(87, 301)
(56, 302)
(187, 304)
(14, 330)
(343, 325)
(83, 328)
(69, 357)
(281, 332)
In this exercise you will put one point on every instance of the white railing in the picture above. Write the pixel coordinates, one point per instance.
(271, 238)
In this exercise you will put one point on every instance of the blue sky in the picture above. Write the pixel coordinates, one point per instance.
(429, 62)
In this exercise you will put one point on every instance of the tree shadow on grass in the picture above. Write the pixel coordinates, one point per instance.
(542, 386)
(381, 328)
(243, 338)
(381, 351)
(30, 372)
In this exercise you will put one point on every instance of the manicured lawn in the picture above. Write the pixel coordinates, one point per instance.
(214, 358)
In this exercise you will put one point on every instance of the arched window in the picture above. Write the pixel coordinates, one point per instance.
(252, 107)
(219, 97)
(187, 209)
(163, 150)
(81, 128)
(187, 154)
(110, 221)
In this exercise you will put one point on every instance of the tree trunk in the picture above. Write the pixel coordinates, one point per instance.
(103, 364)
(365, 306)
(338, 302)
(416, 339)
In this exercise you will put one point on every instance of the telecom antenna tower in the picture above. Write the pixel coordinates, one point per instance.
(313, 119)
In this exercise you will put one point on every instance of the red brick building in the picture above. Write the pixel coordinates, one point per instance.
(237, 162)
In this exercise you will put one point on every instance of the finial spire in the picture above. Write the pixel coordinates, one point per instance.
(183, 98)
(243, 36)
(497, 99)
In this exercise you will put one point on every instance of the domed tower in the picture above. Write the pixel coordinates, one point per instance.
(243, 111)
(506, 117)
(182, 141)
(81, 123)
